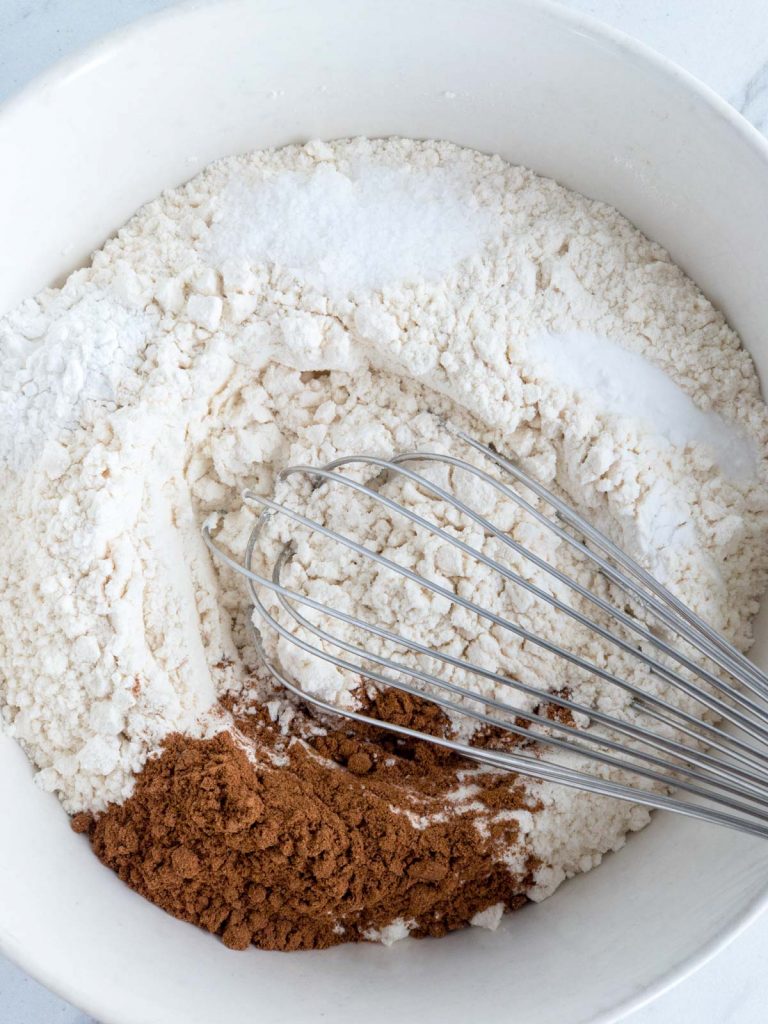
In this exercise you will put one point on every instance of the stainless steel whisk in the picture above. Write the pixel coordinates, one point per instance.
(718, 774)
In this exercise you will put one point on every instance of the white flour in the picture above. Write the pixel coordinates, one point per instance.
(240, 348)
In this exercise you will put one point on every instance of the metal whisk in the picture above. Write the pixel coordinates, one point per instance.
(667, 757)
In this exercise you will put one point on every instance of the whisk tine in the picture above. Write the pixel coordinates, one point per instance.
(527, 765)
(753, 786)
(713, 703)
(701, 634)
(753, 783)
(328, 475)
(726, 783)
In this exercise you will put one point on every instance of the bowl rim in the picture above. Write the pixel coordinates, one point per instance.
(99, 51)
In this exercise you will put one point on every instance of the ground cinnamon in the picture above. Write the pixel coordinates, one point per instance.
(356, 828)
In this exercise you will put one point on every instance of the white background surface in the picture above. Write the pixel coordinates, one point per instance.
(724, 44)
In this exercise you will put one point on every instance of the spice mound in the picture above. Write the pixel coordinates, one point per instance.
(352, 835)
(290, 307)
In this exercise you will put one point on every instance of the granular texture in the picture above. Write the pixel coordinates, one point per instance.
(354, 830)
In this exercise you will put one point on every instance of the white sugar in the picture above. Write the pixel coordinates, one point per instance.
(350, 232)
(623, 383)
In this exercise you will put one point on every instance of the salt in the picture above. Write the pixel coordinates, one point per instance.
(350, 232)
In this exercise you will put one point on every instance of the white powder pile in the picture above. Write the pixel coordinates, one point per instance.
(61, 354)
(357, 231)
(624, 383)
(295, 305)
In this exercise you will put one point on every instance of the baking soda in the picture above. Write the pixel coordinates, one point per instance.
(622, 383)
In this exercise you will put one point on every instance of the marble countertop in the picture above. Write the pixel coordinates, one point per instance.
(724, 44)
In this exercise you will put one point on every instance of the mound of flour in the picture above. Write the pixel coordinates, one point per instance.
(215, 340)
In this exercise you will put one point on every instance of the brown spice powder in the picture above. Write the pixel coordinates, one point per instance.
(347, 832)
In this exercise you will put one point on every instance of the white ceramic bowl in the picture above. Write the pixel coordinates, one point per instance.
(88, 143)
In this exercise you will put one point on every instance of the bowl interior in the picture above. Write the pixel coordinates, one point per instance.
(148, 108)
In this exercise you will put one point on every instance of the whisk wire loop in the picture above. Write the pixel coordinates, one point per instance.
(721, 775)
